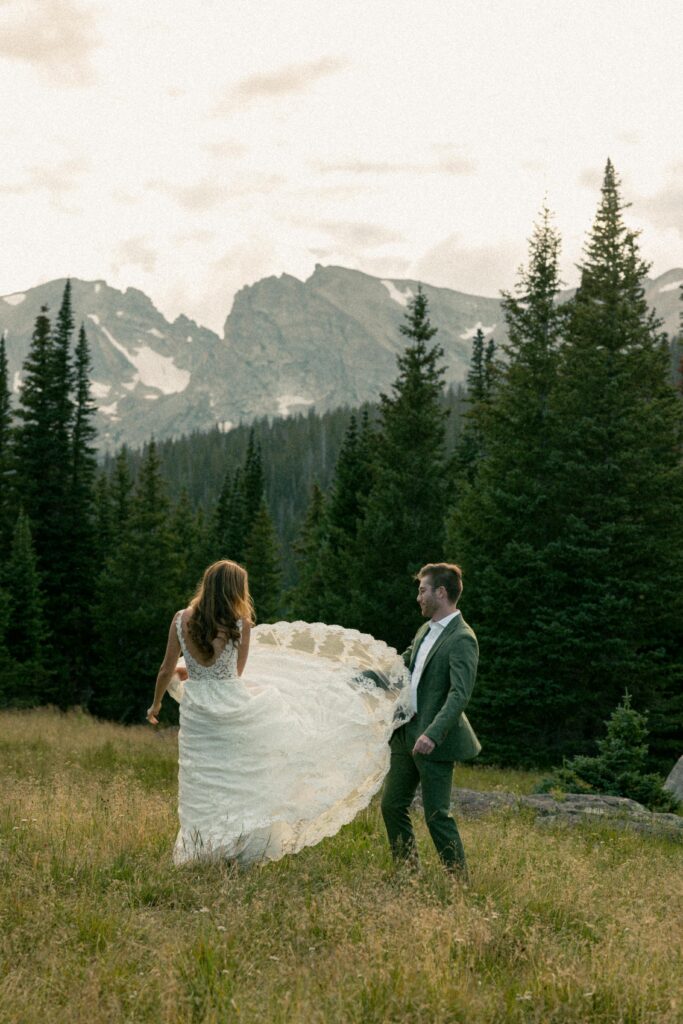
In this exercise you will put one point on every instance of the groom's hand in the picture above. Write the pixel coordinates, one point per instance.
(423, 745)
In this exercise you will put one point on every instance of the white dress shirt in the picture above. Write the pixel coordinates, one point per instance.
(435, 631)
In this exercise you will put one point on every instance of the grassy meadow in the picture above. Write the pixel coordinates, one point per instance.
(558, 926)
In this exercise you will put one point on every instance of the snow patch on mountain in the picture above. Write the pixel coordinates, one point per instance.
(14, 300)
(285, 403)
(16, 383)
(110, 411)
(153, 369)
(479, 326)
(400, 297)
(98, 389)
(157, 371)
(672, 286)
(95, 319)
(155, 332)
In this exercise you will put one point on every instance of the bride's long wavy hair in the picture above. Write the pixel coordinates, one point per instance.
(221, 599)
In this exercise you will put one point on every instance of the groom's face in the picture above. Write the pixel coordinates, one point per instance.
(426, 597)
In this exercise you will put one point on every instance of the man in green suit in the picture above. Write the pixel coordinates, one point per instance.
(443, 663)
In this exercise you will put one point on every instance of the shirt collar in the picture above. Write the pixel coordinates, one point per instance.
(442, 623)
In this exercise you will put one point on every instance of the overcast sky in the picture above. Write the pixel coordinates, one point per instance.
(190, 147)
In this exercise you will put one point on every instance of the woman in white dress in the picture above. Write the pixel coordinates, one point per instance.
(282, 756)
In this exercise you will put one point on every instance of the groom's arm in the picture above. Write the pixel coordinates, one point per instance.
(462, 666)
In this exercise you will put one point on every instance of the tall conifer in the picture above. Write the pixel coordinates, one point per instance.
(36, 457)
(343, 513)
(308, 598)
(263, 563)
(138, 594)
(618, 491)
(27, 638)
(79, 523)
(6, 467)
(403, 517)
(504, 519)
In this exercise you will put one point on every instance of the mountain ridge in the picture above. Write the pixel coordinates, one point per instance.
(288, 345)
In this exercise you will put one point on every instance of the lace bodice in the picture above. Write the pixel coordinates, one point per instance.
(223, 667)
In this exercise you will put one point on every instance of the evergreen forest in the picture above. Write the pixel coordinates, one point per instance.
(554, 477)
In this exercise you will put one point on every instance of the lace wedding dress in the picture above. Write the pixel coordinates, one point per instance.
(285, 755)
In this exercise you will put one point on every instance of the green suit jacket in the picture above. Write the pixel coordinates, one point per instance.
(444, 691)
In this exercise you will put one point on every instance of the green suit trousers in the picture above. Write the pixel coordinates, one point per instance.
(436, 779)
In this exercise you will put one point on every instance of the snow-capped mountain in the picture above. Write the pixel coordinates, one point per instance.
(288, 345)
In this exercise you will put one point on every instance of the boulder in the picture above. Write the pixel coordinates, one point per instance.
(674, 780)
(570, 809)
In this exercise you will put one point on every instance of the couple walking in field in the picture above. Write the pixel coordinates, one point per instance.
(288, 730)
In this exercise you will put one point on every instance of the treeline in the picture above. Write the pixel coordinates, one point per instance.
(556, 482)
(294, 454)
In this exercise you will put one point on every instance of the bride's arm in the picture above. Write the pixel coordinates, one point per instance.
(168, 667)
(243, 649)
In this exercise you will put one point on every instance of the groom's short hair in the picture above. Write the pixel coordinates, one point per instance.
(446, 575)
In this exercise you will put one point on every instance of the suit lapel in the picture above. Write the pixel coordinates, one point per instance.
(419, 637)
(445, 633)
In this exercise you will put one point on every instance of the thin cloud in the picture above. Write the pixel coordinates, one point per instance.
(135, 252)
(360, 235)
(198, 235)
(591, 177)
(448, 165)
(665, 208)
(206, 195)
(294, 78)
(57, 179)
(476, 270)
(58, 37)
(227, 148)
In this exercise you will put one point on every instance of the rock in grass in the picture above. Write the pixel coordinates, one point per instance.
(674, 780)
(570, 809)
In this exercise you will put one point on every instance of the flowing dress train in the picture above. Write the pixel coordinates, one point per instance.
(285, 755)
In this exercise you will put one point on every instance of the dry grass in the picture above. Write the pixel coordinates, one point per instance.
(558, 927)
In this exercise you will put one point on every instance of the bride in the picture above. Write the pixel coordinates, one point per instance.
(277, 758)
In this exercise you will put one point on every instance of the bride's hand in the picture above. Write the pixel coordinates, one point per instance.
(152, 714)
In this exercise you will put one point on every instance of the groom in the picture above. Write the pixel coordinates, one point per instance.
(443, 663)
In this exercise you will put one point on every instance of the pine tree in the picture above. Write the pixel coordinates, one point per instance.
(253, 484)
(5, 676)
(476, 375)
(618, 491)
(503, 521)
(307, 599)
(6, 466)
(104, 519)
(45, 474)
(264, 566)
(403, 517)
(470, 449)
(138, 596)
(35, 455)
(344, 511)
(229, 528)
(121, 495)
(27, 681)
(84, 433)
(78, 522)
(189, 540)
(62, 377)
(620, 766)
